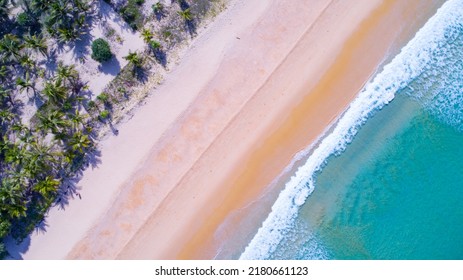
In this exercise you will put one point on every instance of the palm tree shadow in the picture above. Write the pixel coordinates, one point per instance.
(80, 48)
(51, 63)
(15, 249)
(37, 100)
(18, 107)
(42, 226)
(183, 5)
(62, 202)
(190, 26)
(160, 56)
(114, 130)
(93, 158)
(87, 94)
(105, 10)
(141, 74)
(159, 15)
(68, 190)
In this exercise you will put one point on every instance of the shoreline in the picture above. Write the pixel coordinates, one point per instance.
(183, 160)
(227, 221)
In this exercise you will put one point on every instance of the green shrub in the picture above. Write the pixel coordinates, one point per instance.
(24, 19)
(167, 34)
(139, 2)
(103, 97)
(155, 44)
(110, 32)
(101, 51)
(91, 104)
(104, 114)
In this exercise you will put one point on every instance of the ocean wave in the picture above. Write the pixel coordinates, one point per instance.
(416, 57)
(440, 88)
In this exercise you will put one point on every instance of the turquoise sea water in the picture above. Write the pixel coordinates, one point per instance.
(387, 181)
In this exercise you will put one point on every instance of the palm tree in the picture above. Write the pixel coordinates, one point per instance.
(12, 197)
(186, 14)
(77, 119)
(81, 23)
(11, 202)
(37, 43)
(4, 10)
(147, 35)
(55, 91)
(6, 116)
(25, 84)
(39, 159)
(66, 73)
(3, 72)
(10, 47)
(6, 94)
(27, 64)
(22, 132)
(41, 5)
(66, 19)
(79, 142)
(134, 59)
(5, 144)
(59, 11)
(14, 155)
(68, 34)
(47, 187)
(53, 121)
(155, 45)
(82, 6)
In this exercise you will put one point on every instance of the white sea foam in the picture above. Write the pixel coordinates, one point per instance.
(413, 59)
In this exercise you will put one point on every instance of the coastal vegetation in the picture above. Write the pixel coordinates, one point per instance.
(50, 119)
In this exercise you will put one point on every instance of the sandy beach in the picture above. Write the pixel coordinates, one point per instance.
(261, 83)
